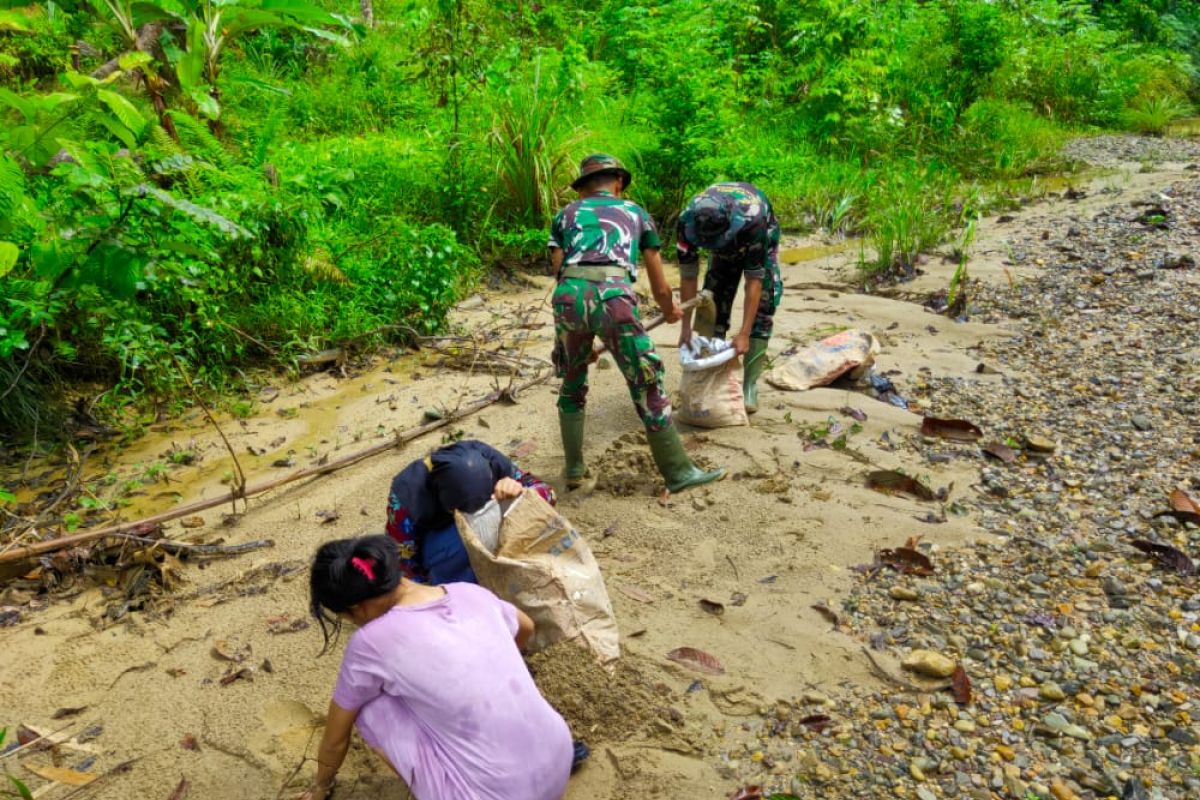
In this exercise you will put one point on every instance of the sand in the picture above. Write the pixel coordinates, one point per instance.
(779, 534)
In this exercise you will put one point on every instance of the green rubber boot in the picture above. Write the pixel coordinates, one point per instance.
(570, 425)
(755, 363)
(673, 462)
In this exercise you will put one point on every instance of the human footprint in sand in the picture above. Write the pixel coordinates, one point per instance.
(434, 680)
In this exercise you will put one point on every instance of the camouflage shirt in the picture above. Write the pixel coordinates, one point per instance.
(603, 229)
(753, 231)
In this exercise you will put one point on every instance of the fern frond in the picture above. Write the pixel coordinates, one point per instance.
(196, 139)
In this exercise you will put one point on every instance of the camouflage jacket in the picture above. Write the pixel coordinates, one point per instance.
(753, 231)
(603, 229)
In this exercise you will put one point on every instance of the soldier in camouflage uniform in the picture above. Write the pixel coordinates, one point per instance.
(736, 224)
(594, 247)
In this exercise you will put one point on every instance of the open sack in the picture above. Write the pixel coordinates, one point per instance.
(710, 391)
(545, 568)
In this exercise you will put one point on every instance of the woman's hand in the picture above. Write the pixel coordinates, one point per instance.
(507, 489)
(315, 792)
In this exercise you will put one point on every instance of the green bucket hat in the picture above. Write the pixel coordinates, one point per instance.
(600, 163)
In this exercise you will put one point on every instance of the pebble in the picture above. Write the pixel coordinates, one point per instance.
(1051, 691)
(929, 663)
(904, 593)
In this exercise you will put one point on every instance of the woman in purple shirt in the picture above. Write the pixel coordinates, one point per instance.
(434, 680)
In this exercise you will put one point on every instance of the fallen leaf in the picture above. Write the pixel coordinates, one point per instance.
(189, 742)
(1000, 451)
(328, 515)
(696, 660)
(960, 684)
(713, 607)
(283, 463)
(610, 530)
(285, 624)
(233, 675)
(1183, 508)
(769, 579)
(906, 560)
(737, 599)
(817, 722)
(748, 793)
(984, 369)
(634, 593)
(192, 522)
(181, 790)
(267, 666)
(231, 651)
(853, 413)
(26, 735)
(64, 713)
(1170, 557)
(62, 775)
(956, 430)
(89, 733)
(176, 672)
(637, 633)
(524, 450)
(889, 480)
(826, 612)
(914, 541)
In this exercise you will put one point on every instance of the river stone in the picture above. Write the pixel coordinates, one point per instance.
(927, 662)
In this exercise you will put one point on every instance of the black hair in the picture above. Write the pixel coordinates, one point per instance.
(345, 572)
(461, 478)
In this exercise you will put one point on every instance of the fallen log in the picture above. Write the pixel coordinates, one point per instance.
(401, 438)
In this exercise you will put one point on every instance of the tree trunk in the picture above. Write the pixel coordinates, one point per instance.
(368, 12)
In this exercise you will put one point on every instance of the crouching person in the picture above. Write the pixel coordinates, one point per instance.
(434, 681)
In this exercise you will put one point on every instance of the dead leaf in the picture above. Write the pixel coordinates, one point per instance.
(914, 541)
(189, 742)
(267, 666)
(62, 775)
(713, 607)
(1183, 507)
(1000, 451)
(817, 722)
(524, 450)
(192, 522)
(907, 561)
(233, 675)
(956, 430)
(64, 713)
(826, 612)
(610, 530)
(748, 793)
(635, 593)
(890, 481)
(328, 515)
(1170, 557)
(285, 624)
(853, 413)
(696, 660)
(283, 463)
(737, 599)
(268, 394)
(27, 736)
(181, 790)
(960, 684)
(176, 672)
(231, 651)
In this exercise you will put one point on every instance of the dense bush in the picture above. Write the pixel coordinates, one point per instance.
(257, 180)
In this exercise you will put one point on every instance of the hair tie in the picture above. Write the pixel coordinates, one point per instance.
(364, 566)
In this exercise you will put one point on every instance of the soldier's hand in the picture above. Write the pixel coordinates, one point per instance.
(741, 344)
(507, 489)
(672, 314)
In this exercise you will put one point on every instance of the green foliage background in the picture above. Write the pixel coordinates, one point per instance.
(257, 179)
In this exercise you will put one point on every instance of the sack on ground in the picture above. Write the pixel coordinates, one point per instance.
(545, 568)
(710, 391)
(821, 364)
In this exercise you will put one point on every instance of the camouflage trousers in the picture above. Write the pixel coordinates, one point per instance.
(722, 278)
(584, 310)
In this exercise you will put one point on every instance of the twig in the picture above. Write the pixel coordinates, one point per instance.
(41, 737)
(201, 549)
(28, 358)
(400, 439)
(240, 486)
(119, 769)
(135, 668)
(736, 576)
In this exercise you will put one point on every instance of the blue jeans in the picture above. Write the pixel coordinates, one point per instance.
(444, 557)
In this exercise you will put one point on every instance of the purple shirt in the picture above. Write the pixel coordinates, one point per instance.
(442, 691)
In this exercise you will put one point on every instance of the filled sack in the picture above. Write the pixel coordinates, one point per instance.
(851, 351)
(710, 391)
(545, 568)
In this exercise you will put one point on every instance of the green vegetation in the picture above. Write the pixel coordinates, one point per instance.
(191, 186)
